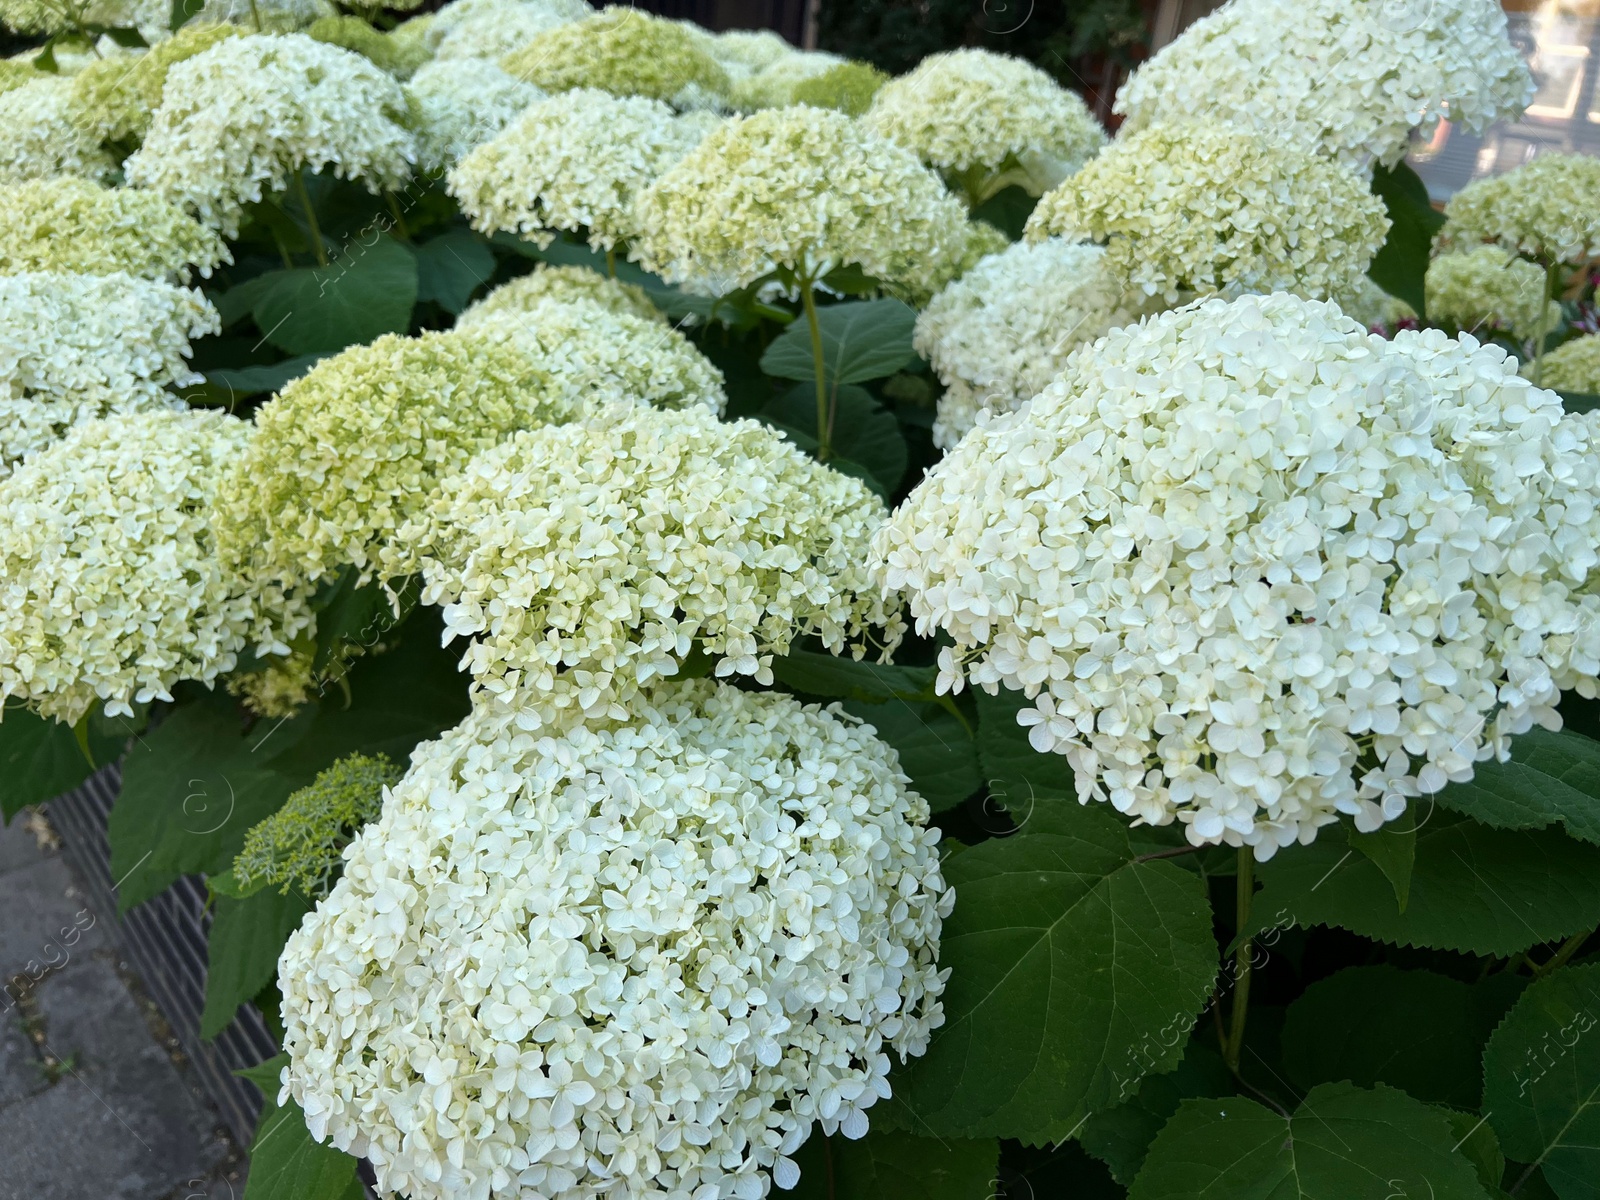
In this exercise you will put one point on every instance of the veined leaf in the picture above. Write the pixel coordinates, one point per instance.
(246, 938)
(285, 1162)
(1550, 777)
(861, 340)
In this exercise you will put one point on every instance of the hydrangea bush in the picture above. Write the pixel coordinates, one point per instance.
(776, 630)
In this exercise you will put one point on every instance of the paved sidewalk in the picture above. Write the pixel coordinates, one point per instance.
(92, 1105)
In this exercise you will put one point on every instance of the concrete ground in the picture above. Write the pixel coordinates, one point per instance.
(95, 1104)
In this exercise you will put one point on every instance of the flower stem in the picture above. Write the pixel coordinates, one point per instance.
(824, 438)
(399, 217)
(1550, 279)
(311, 219)
(611, 262)
(1245, 887)
(255, 15)
(1568, 948)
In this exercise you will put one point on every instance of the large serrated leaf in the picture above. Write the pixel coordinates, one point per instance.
(1120, 1137)
(1550, 777)
(1342, 1143)
(1402, 261)
(830, 676)
(1473, 889)
(1541, 1080)
(246, 938)
(887, 1165)
(1068, 963)
(369, 290)
(451, 266)
(861, 340)
(1019, 776)
(935, 751)
(41, 758)
(1414, 1030)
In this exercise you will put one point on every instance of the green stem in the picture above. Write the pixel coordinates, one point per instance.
(1245, 887)
(824, 434)
(611, 262)
(1551, 274)
(311, 219)
(283, 250)
(255, 15)
(1568, 948)
(80, 731)
(399, 217)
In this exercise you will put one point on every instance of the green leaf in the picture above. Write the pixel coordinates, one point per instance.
(873, 683)
(369, 290)
(285, 1162)
(1007, 210)
(1541, 1080)
(935, 750)
(1393, 850)
(235, 304)
(191, 788)
(1121, 1136)
(252, 381)
(40, 758)
(350, 613)
(1071, 966)
(1550, 777)
(1342, 1143)
(1476, 1142)
(1579, 402)
(1019, 776)
(861, 340)
(1415, 1030)
(865, 434)
(1473, 889)
(451, 266)
(887, 1165)
(1402, 260)
(246, 938)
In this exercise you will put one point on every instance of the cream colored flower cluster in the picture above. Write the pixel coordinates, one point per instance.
(494, 28)
(576, 161)
(627, 52)
(73, 347)
(1200, 208)
(592, 558)
(987, 120)
(1003, 331)
(266, 16)
(71, 224)
(1546, 209)
(1351, 79)
(764, 192)
(346, 453)
(590, 355)
(462, 103)
(773, 84)
(111, 589)
(240, 118)
(1571, 367)
(114, 99)
(565, 284)
(149, 17)
(743, 52)
(1255, 567)
(632, 959)
(40, 139)
(1488, 288)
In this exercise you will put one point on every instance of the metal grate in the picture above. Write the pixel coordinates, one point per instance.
(165, 941)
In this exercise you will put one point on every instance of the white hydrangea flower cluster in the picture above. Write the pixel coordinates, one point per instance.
(1571, 367)
(632, 959)
(743, 52)
(576, 161)
(73, 347)
(112, 588)
(1488, 288)
(1546, 209)
(265, 16)
(344, 455)
(772, 85)
(1351, 79)
(591, 355)
(627, 52)
(72, 224)
(567, 284)
(40, 138)
(149, 17)
(1202, 208)
(242, 116)
(592, 558)
(1003, 331)
(986, 121)
(461, 103)
(1256, 567)
(494, 28)
(804, 189)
